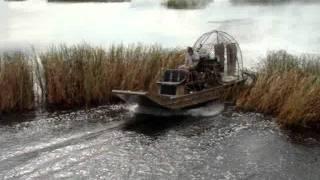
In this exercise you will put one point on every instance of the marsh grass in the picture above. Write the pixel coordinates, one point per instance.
(288, 87)
(84, 75)
(16, 83)
(186, 4)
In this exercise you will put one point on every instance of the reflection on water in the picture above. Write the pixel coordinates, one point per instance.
(110, 142)
(159, 125)
(292, 26)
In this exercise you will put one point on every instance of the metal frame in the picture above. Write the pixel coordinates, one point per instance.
(221, 37)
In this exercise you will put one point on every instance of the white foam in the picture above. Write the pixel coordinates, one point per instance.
(211, 109)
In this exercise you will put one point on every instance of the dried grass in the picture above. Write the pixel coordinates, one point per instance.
(287, 87)
(16, 83)
(84, 75)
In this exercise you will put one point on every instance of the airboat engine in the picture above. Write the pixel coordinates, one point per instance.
(218, 71)
(220, 63)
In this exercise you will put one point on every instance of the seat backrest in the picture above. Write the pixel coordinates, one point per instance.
(174, 75)
(167, 76)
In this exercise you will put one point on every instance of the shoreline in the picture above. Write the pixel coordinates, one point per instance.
(67, 77)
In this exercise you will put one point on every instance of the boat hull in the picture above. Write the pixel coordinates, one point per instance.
(188, 101)
(137, 97)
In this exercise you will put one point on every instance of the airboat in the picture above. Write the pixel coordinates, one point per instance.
(219, 69)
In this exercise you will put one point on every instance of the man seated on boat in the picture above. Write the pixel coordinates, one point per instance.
(191, 59)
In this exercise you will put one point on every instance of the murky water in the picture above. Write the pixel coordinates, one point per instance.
(259, 28)
(110, 142)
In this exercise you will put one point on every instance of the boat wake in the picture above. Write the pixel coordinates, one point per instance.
(211, 109)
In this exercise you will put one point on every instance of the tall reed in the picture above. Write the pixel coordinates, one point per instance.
(287, 86)
(84, 75)
(16, 84)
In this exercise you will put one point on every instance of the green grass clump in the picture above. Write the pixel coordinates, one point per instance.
(16, 83)
(186, 4)
(288, 87)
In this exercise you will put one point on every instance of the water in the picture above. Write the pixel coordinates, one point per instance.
(259, 28)
(110, 142)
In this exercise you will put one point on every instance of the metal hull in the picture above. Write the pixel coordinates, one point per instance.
(137, 97)
(146, 99)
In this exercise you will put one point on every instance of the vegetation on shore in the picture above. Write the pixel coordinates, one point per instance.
(287, 87)
(80, 75)
(186, 4)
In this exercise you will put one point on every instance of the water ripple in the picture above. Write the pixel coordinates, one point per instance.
(108, 142)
